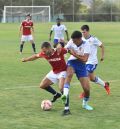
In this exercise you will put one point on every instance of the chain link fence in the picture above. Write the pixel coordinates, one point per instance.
(73, 10)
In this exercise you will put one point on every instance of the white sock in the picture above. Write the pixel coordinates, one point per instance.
(66, 108)
(99, 81)
(66, 91)
(85, 100)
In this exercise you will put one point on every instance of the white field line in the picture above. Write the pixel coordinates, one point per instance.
(26, 87)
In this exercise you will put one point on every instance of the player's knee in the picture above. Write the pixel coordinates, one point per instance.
(42, 86)
(69, 74)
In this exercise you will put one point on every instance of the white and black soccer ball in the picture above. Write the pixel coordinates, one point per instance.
(46, 105)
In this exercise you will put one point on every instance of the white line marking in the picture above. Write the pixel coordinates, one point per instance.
(26, 87)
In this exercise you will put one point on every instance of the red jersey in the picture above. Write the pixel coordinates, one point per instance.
(56, 60)
(27, 27)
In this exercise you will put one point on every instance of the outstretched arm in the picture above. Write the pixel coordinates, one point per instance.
(33, 57)
(102, 52)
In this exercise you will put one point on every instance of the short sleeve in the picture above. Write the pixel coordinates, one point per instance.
(52, 28)
(64, 27)
(68, 46)
(40, 55)
(31, 23)
(64, 51)
(87, 48)
(97, 42)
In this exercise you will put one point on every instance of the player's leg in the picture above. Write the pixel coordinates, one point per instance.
(23, 39)
(33, 45)
(50, 78)
(46, 85)
(55, 43)
(86, 87)
(70, 72)
(91, 68)
(65, 96)
(21, 46)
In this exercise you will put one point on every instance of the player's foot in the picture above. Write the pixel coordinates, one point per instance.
(82, 95)
(87, 107)
(55, 97)
(66, 112)
(64, 99)
(107, 87)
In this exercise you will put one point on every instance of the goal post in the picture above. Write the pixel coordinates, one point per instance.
(17, 13)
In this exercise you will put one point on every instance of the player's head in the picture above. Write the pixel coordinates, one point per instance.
(46, 48)
(76, 37)
(58, 21)
(28, 16)
(85, 30)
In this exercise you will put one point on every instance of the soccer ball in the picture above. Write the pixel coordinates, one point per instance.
(46, 105)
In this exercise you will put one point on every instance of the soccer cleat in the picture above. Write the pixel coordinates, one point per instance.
(82, 95)
(56, 96)
(64, 99)
(66, 112)
(87, 107)
(107, 87)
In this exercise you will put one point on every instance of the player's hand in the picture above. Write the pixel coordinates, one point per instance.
(102, 58)
(72, 52)
(23, 60)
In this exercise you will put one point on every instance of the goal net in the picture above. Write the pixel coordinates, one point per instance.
(18, 13)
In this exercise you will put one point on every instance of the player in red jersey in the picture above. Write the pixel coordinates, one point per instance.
(58, 73)
(26, 28)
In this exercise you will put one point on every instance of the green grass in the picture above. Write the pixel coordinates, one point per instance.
(20, 96)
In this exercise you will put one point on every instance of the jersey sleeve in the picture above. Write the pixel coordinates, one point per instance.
(87, 48)
(68, 46)
(52, 28)
(97, 42)
(31, 23)
(22, 23)
(40, 55)
(64, 51)
(64, 27)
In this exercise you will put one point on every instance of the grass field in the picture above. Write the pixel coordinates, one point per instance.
(20, 96)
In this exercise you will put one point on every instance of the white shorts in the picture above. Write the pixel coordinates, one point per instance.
(55, 77)
(26, 37)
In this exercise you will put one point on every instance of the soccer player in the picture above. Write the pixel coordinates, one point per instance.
(26, 28)
(58, 73)
(92, 62)
(80, 51)
(59, 30)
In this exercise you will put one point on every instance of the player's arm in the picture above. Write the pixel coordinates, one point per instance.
(32, 30)
(102, 52)
(50, 35)
(67, 35)
(31, 58)
(20, 30)
(82, 58)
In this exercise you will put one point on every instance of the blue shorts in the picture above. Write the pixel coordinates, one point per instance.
(55, 41)
(91, 67)
(79, 68)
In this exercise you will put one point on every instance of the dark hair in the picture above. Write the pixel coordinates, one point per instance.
(85, 27)
(76, 34)
(45, 44)
(28, 15)
(58, 19)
